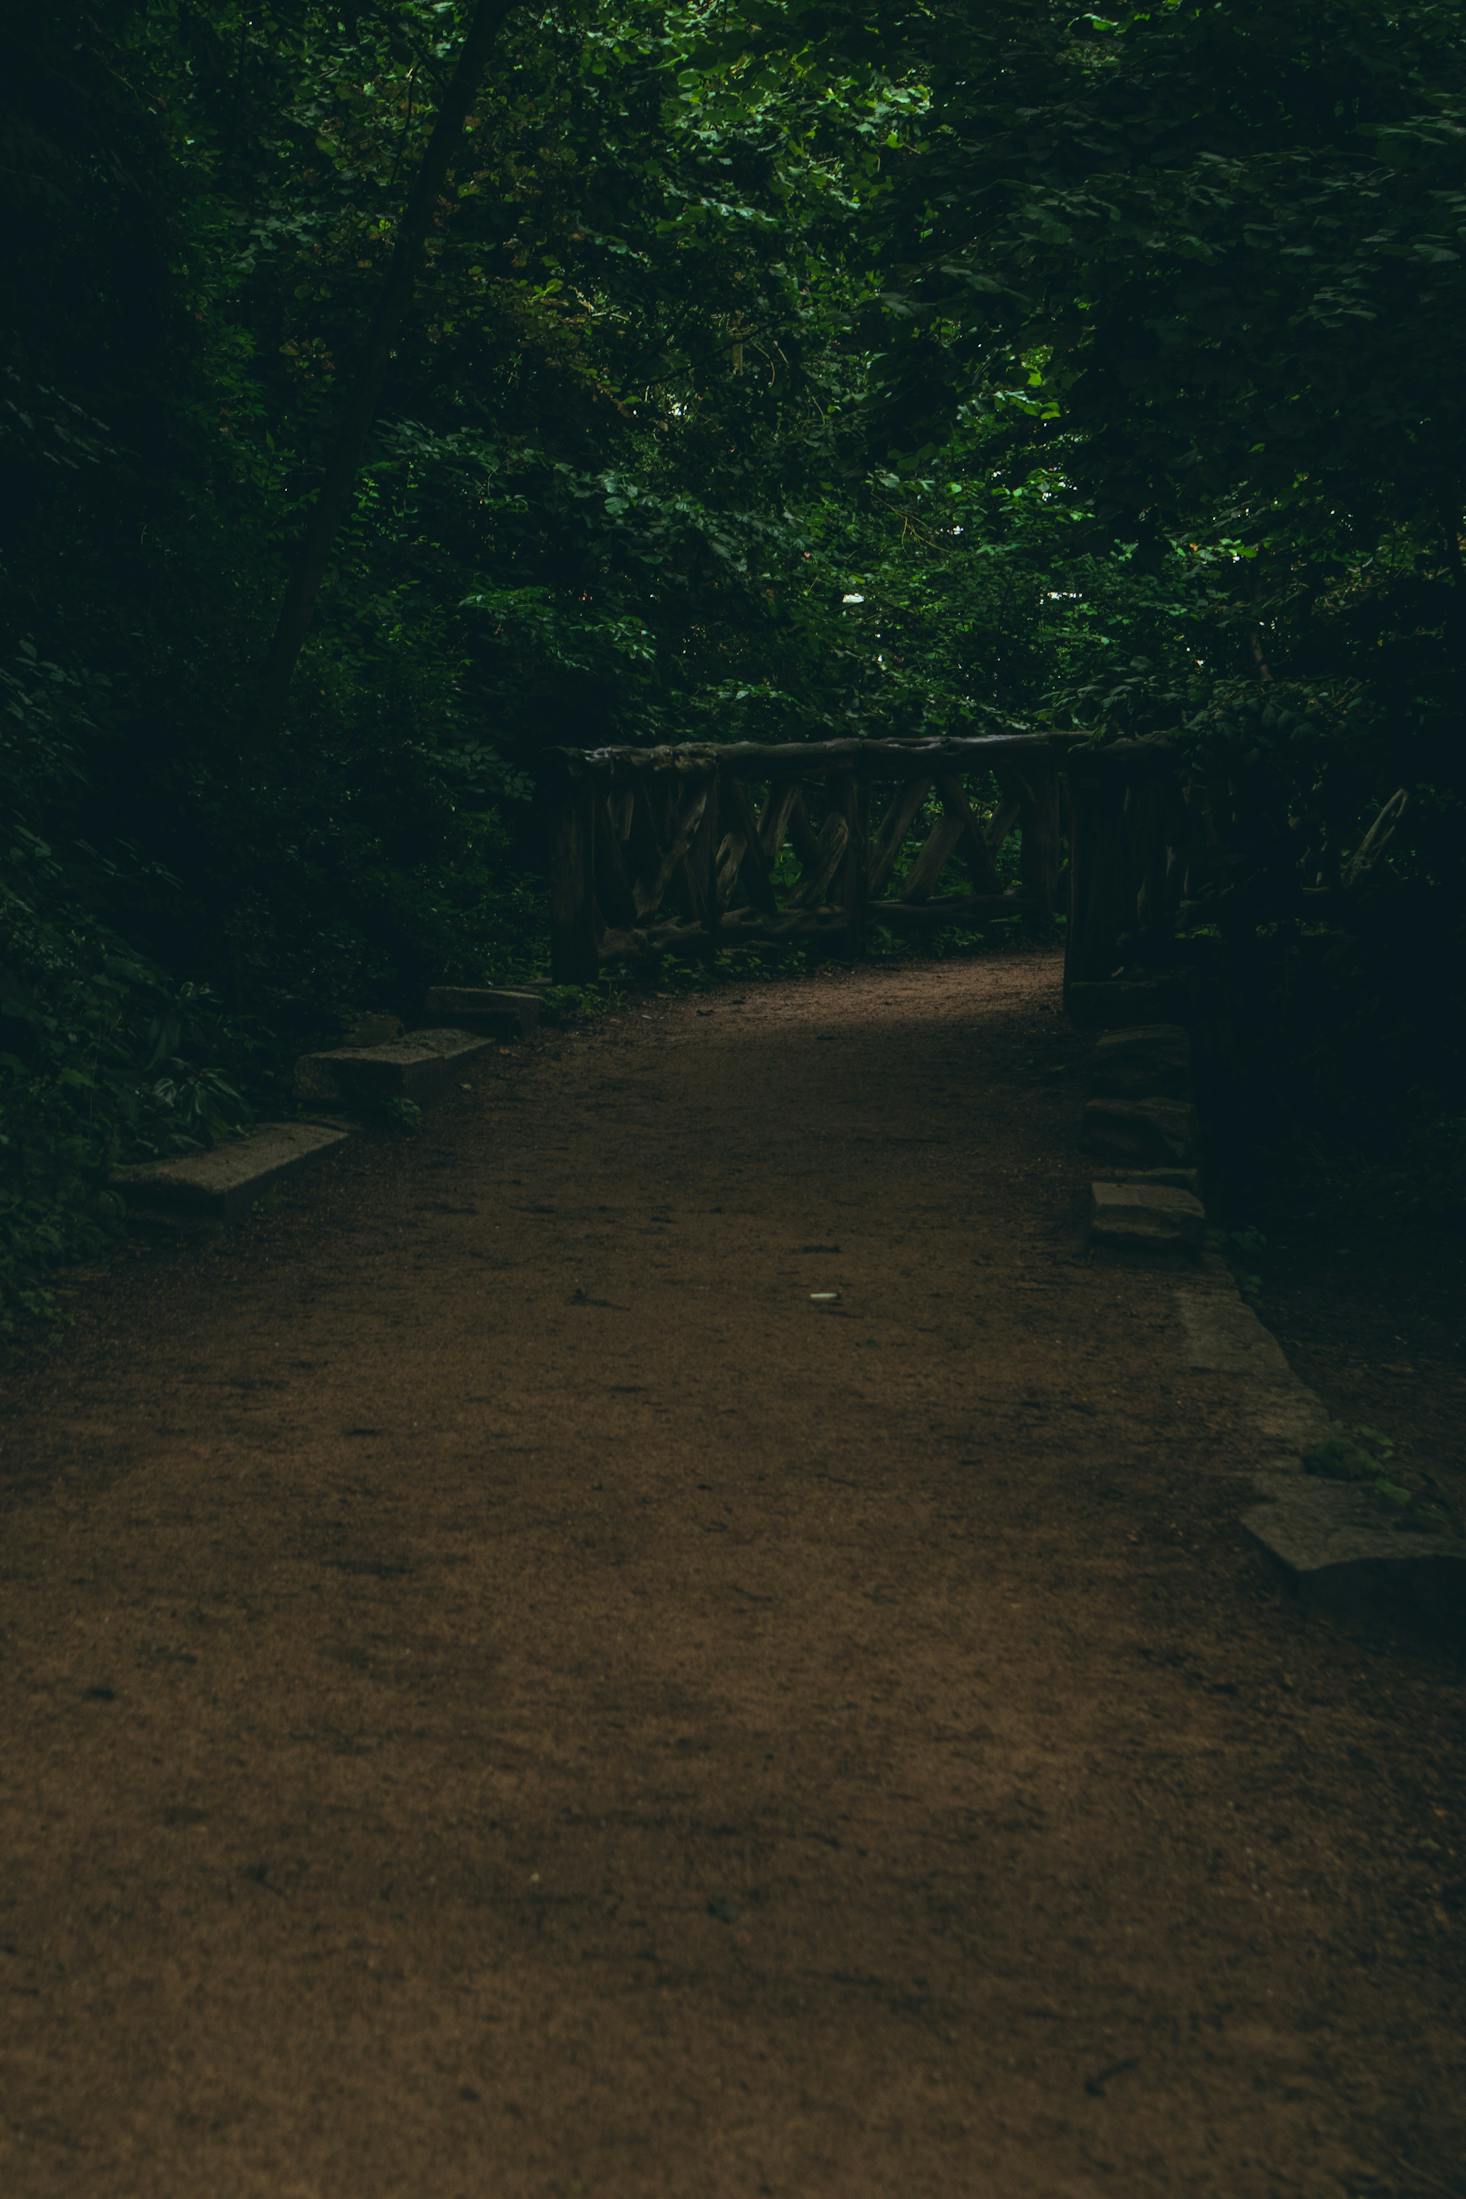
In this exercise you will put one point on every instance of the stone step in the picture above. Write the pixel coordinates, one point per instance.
(1146, 1217)
(1179, 1179)
(1146, 1133)
(224, 1183)
(417, 1067)
(1151, 1061)
(1117, 1003)
(507, 1011)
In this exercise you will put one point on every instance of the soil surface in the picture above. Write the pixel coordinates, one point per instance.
(507, 1692)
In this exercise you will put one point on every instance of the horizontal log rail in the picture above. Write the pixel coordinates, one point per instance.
(684, 850)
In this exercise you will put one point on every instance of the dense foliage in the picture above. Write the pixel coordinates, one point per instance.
(768, 372)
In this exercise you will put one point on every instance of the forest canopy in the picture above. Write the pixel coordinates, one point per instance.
(767, 374)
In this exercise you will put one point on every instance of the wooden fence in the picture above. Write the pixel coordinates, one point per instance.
(1139, 837)
(683, 850)
(1161, 853)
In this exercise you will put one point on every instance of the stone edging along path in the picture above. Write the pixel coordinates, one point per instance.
(1140, 1125)
(382, 1064)
(1328, 1537)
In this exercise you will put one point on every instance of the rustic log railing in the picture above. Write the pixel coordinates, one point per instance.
(1136, 833)
(1160, 851)
(683, 850)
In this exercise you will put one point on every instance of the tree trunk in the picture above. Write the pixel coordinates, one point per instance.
(575, 943)
(338, 482)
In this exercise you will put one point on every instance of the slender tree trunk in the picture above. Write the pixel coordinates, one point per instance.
(338, 481)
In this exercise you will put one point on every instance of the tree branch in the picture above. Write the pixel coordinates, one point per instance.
(338, 481)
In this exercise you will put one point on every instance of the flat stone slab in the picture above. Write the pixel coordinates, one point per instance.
(1118, 1003)
(1180, 1179)
(1145, 1217)
(224, 1183)
(1341, 1558)
(1337, 1551)
(505, 1010)
(416, 1068)
(1152, 1061)
(1151, 1133)
(1224, 1336)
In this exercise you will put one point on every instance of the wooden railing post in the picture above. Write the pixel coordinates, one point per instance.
(1101, 885)
(574, 924)
(1043, 838)
(704, 870)
(857, 863)
(1124, 883)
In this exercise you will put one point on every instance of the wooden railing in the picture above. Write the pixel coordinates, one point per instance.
(683, 850)
(1164, 854)
(1136, 832)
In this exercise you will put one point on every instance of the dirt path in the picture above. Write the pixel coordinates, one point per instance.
(503, 1695)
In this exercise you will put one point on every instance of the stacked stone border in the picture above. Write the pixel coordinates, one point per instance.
(1332, 1546)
